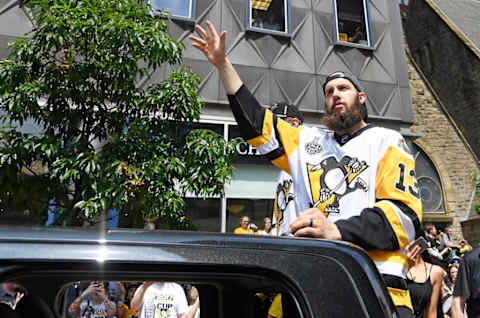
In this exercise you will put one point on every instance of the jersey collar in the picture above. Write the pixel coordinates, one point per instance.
(343, 139)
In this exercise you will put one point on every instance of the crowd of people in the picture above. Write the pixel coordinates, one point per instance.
(433, 271)
(97, 299)
(135, 300)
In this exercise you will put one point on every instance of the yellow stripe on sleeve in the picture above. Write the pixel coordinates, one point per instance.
(394, 221)
(266, 131)
(289, 136)
(400, 297)
(282, 163)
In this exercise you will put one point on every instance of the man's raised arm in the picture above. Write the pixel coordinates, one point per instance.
(213, 46)
(258, 126)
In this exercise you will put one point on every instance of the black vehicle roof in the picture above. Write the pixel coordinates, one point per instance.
(242, 260)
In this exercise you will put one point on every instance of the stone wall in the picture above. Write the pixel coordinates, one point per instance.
(446, 148)
(450, 65)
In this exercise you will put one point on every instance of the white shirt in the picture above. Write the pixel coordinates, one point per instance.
(164, 300)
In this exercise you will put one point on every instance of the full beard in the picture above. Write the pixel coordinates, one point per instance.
(344, 120)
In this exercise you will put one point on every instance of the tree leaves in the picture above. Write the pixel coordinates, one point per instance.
(106, 142)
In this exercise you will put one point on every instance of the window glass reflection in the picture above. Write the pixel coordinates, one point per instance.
(352, 23)
(175, 7)
(205, 214)
(269, 15)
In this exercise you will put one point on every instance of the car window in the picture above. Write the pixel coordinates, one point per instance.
(167, 299)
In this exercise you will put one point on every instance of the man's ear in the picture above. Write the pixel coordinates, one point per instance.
(362, 97)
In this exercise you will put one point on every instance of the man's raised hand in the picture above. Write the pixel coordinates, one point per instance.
(212, 45)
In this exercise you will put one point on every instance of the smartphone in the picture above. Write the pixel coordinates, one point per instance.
(422, 243)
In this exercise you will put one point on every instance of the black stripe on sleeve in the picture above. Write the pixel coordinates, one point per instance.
(248, 113)
(370, 230)
(275, 154)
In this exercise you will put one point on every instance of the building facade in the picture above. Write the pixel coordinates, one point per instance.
(283, 50)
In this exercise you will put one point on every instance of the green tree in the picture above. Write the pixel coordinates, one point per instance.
(106, 142)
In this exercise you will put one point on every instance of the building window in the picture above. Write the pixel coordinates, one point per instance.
(204, 214)
(429, 183)
(270, 16)
(177, 8)
(352, 23)
(255, 209)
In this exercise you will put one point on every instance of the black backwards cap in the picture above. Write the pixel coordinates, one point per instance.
(352, 78)
(283, 110)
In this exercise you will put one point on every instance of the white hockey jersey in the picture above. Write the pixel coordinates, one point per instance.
(284, 212)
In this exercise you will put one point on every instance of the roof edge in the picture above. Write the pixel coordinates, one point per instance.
(454, 28)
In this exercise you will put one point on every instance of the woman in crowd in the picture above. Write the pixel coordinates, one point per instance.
(424, 282)
(266, 228)
(447, 289)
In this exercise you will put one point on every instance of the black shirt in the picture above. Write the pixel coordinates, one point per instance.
(468, 282)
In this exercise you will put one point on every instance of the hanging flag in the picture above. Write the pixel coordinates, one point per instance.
(260, 4)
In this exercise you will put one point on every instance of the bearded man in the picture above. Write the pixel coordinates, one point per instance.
(356, 183)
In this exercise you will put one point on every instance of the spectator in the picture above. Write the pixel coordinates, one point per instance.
(447, 236)
(464, 247)
(357, 36)
(447, 241)
(443, 250)
(245, 227)
(266, 228)
(270, 23)
(431, 234)
(160, 300)
(447, 290)
(12, 294)
(193, 300)
(434, 254)
(93, 302)
(116, 292)
(467, 286)
(284, 211)
(424, 282)
(124, 309)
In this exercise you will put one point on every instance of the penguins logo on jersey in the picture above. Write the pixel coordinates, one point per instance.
(282, 198)
(330, 180)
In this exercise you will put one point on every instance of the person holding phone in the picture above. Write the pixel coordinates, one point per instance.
(424, 280)
(93, 302)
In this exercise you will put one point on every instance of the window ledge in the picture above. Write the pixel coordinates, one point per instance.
(269, 32)
(174, 17)
(355, 45)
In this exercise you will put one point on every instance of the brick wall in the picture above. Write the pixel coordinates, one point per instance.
(445, 147)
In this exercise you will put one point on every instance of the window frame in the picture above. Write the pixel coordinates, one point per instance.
(368, 26)
(192, 11)
(287, 20)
